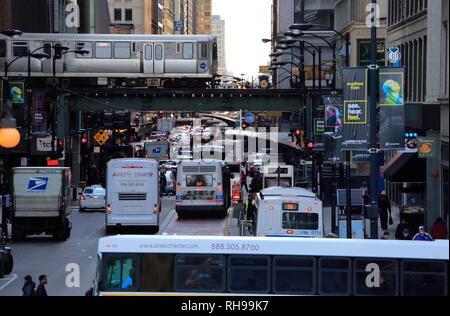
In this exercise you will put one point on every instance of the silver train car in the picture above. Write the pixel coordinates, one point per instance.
(116, 60)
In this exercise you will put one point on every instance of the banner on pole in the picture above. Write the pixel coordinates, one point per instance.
(392, 108)
(318, 127)
(332, 137)
(356, 112)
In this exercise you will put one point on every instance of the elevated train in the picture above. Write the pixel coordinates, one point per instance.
(166, 61)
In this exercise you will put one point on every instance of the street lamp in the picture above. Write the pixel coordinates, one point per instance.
(12, 33)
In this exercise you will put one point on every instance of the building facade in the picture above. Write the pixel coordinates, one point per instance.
(168, 17)
(142, 16)
(218, 30)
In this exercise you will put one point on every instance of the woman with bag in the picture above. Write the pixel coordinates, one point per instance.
(383, 207)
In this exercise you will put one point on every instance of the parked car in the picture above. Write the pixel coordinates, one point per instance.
(93, 198)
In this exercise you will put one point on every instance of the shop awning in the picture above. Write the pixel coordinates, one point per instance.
(405, 167)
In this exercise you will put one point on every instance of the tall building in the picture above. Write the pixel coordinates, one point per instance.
(141, 16)
(204, 17)
(94, 16)
(218, 30)
(168, 17)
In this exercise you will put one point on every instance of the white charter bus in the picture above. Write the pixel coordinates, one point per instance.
(132, 195)
(203, 187)
(278, 176)
(210, 265)
(289, 212)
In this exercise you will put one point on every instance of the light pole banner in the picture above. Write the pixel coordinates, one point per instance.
(332, 137)
(356, 112)
(39, 119)
(392, 108)
(318, 126)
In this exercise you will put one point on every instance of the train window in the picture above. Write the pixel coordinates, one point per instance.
(20, 49)
(87, 46)
(2, 48)
(188, 50)
(158, 52)
(215, 51)
(122, 50)
(424, 278)
(179, 48)
(197, 273)
(375, 277)
(294, 275)
(335, 276)
(103, 50)
(249, 274)
(148, 52)
(203, 49)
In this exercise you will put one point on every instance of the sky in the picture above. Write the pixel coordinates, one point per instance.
(247, 22)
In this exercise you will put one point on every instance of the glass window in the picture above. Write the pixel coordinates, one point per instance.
(20, 49)
(273, 182)
(103, 50)
(203, 49)
(120, 273)
(294, 275)
(424, 278)
(334, 276)
(148, 52)
(375, 277)
(158, 52)
(128, 14)
(188, 50)
(2, 48)
(249, 274)
(88, 191)
(200, 273)
(308, 221)
(87, 46)
(199, 180)
(215, 51)
(117, 14)
(122, 50)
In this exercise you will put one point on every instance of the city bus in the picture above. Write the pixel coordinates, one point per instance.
(132, 195)
(289, 212)
(278, 176)
(203, 187)
(229, 266)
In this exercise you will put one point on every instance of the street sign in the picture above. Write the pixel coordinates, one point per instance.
(101, 138)
(179, 26)
(250, 118)
(394, 56)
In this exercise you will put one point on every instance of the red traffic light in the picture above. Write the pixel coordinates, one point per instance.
(310, 145)
(297, 132)
(84, 140)
(61, 143)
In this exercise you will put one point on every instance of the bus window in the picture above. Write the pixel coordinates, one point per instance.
(422, 278)
(294, 275)
(120, 273)
(335, 276)
(156, 272)
(375, 277)
(273, 182)
(309, 221)
(199, 180)
(249, 274)
(194, 273)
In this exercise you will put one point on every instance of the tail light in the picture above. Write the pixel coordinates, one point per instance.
(155, 209)
(82, 198)
(108, 209)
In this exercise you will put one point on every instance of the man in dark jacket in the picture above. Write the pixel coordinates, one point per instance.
(41, 287)
(383, 207)
(400, 228)
(29, 287)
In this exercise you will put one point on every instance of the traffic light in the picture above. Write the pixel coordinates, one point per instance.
(310, 150)
(60, 150)
(84, 150)
(137, 119)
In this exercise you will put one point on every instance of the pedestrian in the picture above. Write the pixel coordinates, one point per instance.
(405, 235)
(250, 211)
(29, 287)
(383, 207)
(439, 230)
(162, 183)
(400, 228)
(41, 291)
(422, 235)
(386, 235)
(244, 181)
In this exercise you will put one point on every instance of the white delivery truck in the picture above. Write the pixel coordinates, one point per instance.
(166, 125)
(132, 195)
(40, 199)
(157, 150)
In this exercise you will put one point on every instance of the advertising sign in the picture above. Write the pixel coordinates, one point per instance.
(426, 147)
(355, 114)
(39, 120)
(392, 108)
(332, 137)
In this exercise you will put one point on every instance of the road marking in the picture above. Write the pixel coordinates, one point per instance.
(166, 222)
(12, 278)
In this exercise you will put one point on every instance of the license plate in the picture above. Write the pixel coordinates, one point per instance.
(95, 200)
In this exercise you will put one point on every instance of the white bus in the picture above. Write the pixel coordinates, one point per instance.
(278, 176)
(203, 187)
(209, 265)
(132, 195)
(289, 212)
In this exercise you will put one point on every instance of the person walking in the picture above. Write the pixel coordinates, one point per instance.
(383, 207)
(244, 181)
(439, 230)
(405, 235)
(41, 291)
(162, 183)
(422, 235)
(250, 211)
(29, 287)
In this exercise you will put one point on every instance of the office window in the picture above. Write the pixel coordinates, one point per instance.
(117, 14)
(128, 14)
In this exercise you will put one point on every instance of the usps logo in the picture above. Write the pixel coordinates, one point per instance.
(37, 184)
(156, 151)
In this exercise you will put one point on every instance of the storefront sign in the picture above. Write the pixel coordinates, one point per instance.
(426, 147)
